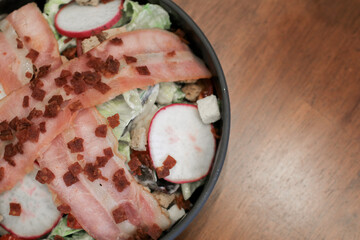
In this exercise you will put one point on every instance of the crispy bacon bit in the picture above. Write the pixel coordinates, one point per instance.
(181, 203)
(114, 120)
(32, 55)
(33, 133)
(21, 124)
(5, 131)
(80, 157)
(171, 54)
(69, 179)
(134, 165)
(93, 172)
(117, 41)
(57, 237)
(96, 63)
(143, 70)
(75, 106)
(45, 175)
(56, 98)
(108, 152)
(144, 157)
(72, 222)
(78, 83)
(19, 148)
(119, 215)
(51, 110)
(15, 209)
(22, 135)
(38, 94)
(120, 180)
(112, 65)
(75, 168)
(65, 73)
(43, 71)
(68, 89)
(91, 78)
(20, 44)
(28, 74)
(101, 161)
(2, 173)
(69, 53)
(64, 208)
(27, 38)
(35, 83)
(102, 87)
(26, 101)
(101, 130)
(162, 172)
(60, 81)
(154, 231)
(10, 151)
(207, 89)
(130, 59)
(34, 114)
(170, 162)
(13, 123)
(76, 145)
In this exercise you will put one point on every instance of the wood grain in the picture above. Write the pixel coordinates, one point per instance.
(293, 164)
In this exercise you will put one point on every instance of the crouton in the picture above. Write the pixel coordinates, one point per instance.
(138, 139)
(164, 199)
(88, 2)
(192, 91)
(209, 109)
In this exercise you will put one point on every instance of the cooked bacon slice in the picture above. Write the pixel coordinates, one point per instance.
(132, 208)
(23, 30)
(155, 43)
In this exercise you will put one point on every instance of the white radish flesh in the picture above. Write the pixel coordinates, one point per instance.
(38, 212)
(78, 21)
(177, 131)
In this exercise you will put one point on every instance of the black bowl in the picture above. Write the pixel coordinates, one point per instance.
(202, 48)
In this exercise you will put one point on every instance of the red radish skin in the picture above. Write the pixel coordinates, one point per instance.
(174, 139)
(87, 32)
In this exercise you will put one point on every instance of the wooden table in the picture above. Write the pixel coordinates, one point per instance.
(293, 164)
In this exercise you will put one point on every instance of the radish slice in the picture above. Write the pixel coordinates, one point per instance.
(78, 21)
(177, 130)
(38, 213)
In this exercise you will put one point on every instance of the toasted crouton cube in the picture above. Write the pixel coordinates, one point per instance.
(88, 2)
(208, 109)
(138, 139)
(164, 199)
(192, 91)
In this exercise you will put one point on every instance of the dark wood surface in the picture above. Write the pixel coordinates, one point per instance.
(293, 164)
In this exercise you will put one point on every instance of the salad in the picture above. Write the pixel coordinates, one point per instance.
(147, 143)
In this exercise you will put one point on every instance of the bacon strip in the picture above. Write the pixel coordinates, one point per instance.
(100, 197)
(183, 66)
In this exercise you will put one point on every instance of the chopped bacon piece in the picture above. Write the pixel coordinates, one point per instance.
(60, 81)
(52, 110)
(92, 172)
(96, 63)
(2, 173)
(143, 70)
(22, 135)
(117, 41)
(65, 73)
(120, 180)
(20, 44)
(101, 130)
(171, 54)
(119, 215)
(162, 172)
(181, 203)
(10, 151)
(5, 131)
(144, 157)
(91, 78)
(72, 222)
(76, 145)
(32, 55)
(28, 74)
(80, 157)
(108, 152)
(114, 120)
(170, 162)
(22, 124)
(19, 148)
(64, 208)
(34, 114)
(38, 94)
(27, 38)
(102, 87)
(68, 89)
(69, 179)
(101, 161)
(56, 98)
(112, 65)
(78, 83)
(43, 71)
(14, 122)
(69, 53)
(134, 165)
(15, 209)
(75, 168)
(130, 59)
(154, 231)
(26, 101)
(75, 106)
(45, 175)
(36, 83)
(57, 237)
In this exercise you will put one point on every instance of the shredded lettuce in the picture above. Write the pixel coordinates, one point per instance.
(145, 16)
(188, 189)
(50, 10)
(170, 92)
(62, 229)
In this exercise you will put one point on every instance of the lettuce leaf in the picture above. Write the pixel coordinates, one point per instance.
(188, 189)
(62, 229)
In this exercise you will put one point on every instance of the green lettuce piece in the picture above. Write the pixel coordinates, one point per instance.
(50, 10)
(62, 45)
(145, 16)
(81, 235)
(62, 229)
(188, 189)
(170, 92)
